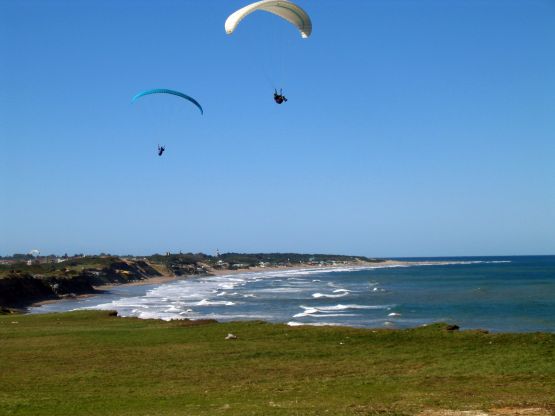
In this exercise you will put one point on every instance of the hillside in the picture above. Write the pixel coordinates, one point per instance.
(22, 284)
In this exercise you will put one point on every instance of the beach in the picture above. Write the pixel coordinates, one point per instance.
(496, 294)
(167, 278)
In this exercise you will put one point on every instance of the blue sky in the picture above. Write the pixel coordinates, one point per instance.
(413, 128)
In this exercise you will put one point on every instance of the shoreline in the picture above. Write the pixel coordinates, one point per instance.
(167, 278)
(224, 272)
(312, 303)
(101, 289)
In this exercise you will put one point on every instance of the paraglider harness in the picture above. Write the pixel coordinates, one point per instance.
(161, 150)
(279, 98)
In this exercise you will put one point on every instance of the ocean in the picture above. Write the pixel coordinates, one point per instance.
(499, 294)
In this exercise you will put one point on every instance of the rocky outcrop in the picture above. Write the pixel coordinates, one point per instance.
(452, 328)
(20, 289)
(125, 271)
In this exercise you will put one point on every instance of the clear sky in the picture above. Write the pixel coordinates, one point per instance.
(413, 128)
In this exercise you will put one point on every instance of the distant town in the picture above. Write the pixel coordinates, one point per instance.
(182, 262)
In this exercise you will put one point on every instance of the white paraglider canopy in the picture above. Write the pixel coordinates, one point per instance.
(282, 8)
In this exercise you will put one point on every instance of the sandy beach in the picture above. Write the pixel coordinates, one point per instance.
(167, 278)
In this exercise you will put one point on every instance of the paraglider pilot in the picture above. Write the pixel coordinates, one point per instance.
(279, 98)
(161, 150)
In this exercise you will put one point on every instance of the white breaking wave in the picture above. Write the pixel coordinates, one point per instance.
(324, 295)
(341, 307)
(285, 289)
(237, 316)
(305, 313)
(159, 315)
(324, 311)
(456, 262)
(293, 323)
(206, 302)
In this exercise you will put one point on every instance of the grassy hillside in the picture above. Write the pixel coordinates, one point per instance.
(70, 267)
(90, 363)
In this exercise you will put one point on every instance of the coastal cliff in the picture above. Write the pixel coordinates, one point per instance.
(20, 288)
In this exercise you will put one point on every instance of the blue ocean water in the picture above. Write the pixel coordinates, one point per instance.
(502, 294)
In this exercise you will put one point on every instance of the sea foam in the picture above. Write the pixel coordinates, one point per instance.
(324, 295)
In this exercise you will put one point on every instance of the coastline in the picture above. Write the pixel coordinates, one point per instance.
(392, 294)
(100, 289)
(168, 278)
(44, 282)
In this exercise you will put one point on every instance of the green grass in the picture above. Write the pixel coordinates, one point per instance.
(89, 363)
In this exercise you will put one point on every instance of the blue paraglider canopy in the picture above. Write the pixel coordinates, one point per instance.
(166, 91)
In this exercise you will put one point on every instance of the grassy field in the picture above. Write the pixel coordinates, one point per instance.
(90, 363)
